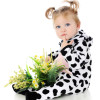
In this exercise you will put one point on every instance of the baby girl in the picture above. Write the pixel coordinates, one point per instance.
(74, 53)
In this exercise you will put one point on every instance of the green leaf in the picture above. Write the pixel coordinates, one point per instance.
(28, 75)
(29, 80)
(52, 74)
(35, 60)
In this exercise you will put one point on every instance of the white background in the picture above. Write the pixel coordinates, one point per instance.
(25, 31)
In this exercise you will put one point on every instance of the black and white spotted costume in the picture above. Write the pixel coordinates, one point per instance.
(79, 59)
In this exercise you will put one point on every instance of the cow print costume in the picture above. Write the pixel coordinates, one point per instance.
(79, 59)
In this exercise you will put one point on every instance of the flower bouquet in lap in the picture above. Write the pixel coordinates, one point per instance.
(43, 73)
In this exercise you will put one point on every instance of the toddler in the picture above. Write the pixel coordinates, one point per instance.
(74, 53)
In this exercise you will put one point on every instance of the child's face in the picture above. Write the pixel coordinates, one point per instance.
(65, 27)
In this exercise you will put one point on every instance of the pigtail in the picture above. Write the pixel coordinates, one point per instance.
(49, 12)
(74, 4)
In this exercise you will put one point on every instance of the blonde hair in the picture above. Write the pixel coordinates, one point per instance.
(65, 11)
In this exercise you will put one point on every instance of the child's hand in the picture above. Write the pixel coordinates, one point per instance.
(65, 43)
(47, 59)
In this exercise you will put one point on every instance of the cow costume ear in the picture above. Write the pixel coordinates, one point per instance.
(89, 41)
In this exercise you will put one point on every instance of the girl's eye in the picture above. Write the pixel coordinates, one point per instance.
(57, 26)
(67, 24)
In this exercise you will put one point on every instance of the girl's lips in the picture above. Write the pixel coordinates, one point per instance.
(63, 34)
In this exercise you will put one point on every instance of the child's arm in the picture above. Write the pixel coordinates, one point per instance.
(76, 55)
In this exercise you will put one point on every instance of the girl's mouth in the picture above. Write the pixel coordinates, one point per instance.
(63, 34)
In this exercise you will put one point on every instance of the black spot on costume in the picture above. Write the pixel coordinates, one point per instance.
(79, 59)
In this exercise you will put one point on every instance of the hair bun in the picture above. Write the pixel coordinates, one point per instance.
(74, 4)
(49, 12)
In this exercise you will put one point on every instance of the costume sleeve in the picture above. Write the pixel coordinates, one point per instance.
(54, 54)
(75, 55)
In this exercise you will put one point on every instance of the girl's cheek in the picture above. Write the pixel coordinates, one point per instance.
(59, 36)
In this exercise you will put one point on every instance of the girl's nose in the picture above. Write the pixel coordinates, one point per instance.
(63, 29)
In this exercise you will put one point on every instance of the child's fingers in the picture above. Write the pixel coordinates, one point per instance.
(71, 42)
(47, 59)
(64, 38)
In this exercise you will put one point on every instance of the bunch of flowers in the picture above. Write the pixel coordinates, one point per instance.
(45, 74)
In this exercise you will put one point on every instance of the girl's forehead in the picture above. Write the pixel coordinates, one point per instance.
(61, 19)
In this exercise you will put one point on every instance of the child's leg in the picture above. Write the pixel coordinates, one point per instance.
(65, 84)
